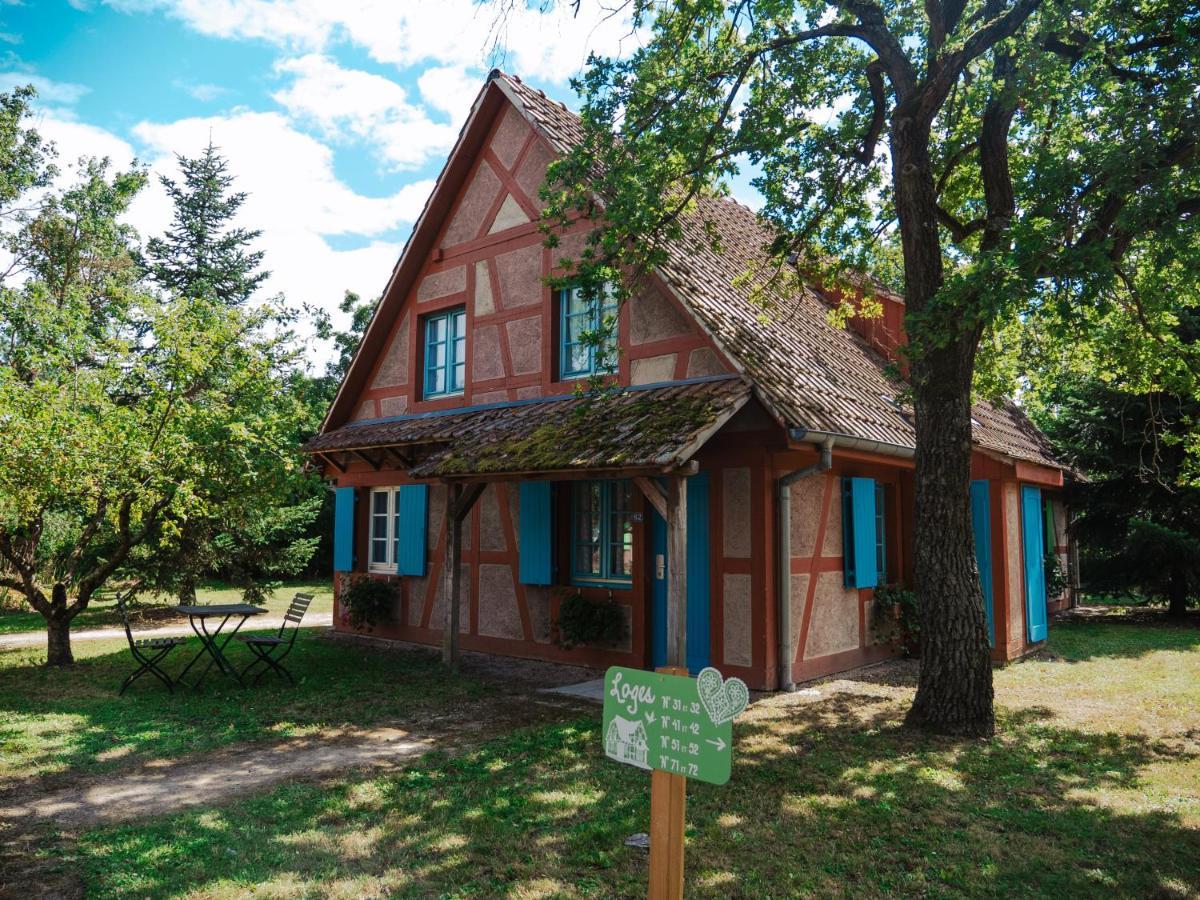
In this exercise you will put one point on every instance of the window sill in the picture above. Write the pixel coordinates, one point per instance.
(614, 584)
(381, 569)
(446, 396)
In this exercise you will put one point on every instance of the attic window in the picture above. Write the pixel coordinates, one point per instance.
(581, 321)
(446, 353)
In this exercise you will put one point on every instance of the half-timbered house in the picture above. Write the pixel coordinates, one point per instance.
(739, 492)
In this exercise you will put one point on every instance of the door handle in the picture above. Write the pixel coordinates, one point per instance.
(660, 566)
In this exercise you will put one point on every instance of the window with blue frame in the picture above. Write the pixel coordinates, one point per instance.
(601, 532)
(445, 353)
(581, 322)
(864, 532)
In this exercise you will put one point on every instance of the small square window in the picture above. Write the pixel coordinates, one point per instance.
(581, 322)
(446, 353)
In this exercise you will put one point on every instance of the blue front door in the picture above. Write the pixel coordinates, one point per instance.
(699, 640)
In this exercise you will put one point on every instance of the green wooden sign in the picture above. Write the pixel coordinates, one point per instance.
(674, 723)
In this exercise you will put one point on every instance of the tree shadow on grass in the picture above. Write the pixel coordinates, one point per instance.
(831, 798)
(59, 723)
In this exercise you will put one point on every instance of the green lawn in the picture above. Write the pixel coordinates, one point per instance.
(1091, 788)
(64, 723)
(153, 611)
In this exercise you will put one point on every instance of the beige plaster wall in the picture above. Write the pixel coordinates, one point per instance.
(735, 590)
(833, 627)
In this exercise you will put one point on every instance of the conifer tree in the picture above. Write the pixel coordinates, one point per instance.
(203, 253)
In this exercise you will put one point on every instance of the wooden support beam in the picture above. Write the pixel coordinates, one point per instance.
(374, 464)
(459, 501)
(677, 571)
(653, 491)
(469, 494)
(329, 460)
(452, 573)
(400, 457)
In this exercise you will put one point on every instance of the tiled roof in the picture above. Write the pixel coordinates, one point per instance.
(644, 427)
(810, 373)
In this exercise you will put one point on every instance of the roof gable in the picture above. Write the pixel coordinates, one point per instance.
(809, 374)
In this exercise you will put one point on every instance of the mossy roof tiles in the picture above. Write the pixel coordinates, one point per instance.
(636, 428)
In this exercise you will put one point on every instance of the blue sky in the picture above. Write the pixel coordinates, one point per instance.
(336, 115)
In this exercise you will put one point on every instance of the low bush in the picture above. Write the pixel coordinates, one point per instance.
(368, 602)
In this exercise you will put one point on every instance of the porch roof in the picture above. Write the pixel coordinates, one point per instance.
(649, 427)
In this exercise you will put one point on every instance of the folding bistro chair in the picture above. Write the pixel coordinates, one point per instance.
(149, 652)
(269, 650)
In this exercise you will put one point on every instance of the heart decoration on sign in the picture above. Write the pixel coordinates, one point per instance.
(723, 699)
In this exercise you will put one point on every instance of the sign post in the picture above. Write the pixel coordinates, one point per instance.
(679, 728)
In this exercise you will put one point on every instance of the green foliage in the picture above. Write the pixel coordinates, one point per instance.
(1010, 154)
(1096, 120)
(896, 618)
(587, 620)
(148, 435)
(1056, 575)
(368, 602)
(1137, 516)
(345, 343)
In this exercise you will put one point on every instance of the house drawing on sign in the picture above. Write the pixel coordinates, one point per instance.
(625, 741)
(751, 470)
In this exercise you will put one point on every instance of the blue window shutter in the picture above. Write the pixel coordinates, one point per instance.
(343, 529)
(534, 538)
(1032, 525)
(860, 499)
(981, 525)
(412, 512)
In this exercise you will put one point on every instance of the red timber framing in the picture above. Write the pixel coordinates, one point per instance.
(477, 246)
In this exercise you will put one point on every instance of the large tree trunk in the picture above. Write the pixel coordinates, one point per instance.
(58, 630)
(954, 694)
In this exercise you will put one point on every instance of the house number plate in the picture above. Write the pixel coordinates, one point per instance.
(674, 723)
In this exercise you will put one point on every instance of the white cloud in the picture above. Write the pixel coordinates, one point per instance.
(76, 140)
(294, 198)
(451, 89)
(548, 45)
(201, 91)
(301, 23)
(347, 102)
(49, 91)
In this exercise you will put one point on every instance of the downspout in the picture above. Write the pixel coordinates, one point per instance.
(783, 556)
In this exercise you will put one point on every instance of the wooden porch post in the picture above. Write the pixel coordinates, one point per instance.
(677, 571)
(458, 505)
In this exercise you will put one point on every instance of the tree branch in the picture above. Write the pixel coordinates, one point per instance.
(873, 30)
(878, 112)
(998, 27)
(959, 230)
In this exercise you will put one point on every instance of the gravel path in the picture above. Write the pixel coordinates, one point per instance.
(163, 787)
(159, 787)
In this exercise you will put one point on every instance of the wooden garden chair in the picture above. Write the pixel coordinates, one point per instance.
(270, 649)
(148, 652)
